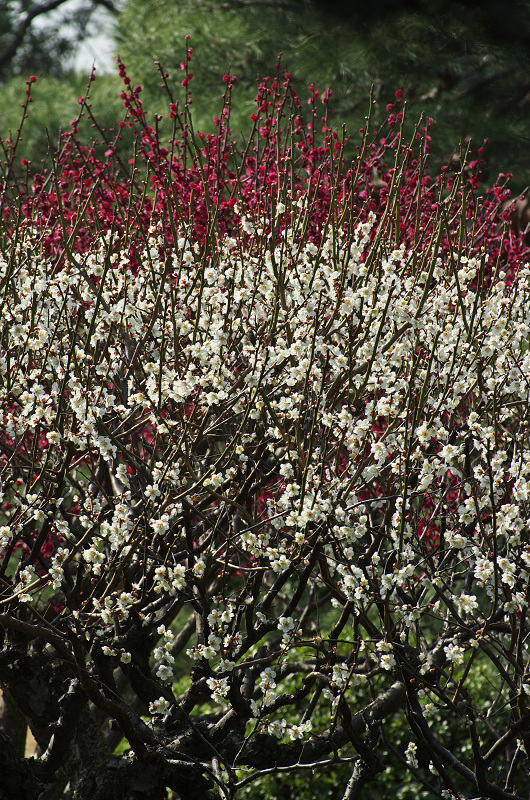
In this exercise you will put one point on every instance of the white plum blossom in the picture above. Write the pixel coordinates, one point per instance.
(454, 653)
(219, 688)
(199, 568)
(286, 624)
(294, 459)
(160, 706)
(387, 661)
(410, 754)
(467, 603)
(299, 731)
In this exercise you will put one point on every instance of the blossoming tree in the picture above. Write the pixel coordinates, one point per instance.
(265, 460)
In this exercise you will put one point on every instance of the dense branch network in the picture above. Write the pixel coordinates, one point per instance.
(264, 469)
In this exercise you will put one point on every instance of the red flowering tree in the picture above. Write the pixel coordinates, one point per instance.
(264, 452)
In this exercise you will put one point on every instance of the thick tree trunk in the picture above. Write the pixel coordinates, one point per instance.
(17, 779)
(13, 723)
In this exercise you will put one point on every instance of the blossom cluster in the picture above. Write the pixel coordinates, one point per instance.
(283, 442)
(383, 395)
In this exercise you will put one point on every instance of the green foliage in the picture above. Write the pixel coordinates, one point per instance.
(452, 64)
(449, 64)
(23, 47)
(242, 41)
(41, 37)
(56, 105)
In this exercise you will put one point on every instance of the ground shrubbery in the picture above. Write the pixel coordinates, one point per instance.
(264, 462)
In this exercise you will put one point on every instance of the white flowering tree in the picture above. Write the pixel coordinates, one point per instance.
(264, 505)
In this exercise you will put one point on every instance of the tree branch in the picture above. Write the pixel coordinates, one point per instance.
(17, 37)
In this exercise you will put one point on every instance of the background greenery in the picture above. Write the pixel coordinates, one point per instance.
(465, 64)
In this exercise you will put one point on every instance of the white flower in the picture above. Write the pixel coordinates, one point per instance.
(199, 568)
(277, 728)
(56, 574)
(467, 603)
(164, 672)
(340, 674)
(299, 731)
(410, 754)
(160, 706)
(267, 678)
(207, 651)
(454, 539)
(93, 556)
(178, 580)
(387, 661)
(214, 641)
(160, 526)
(454, 653)
(219, 687)
(285, 624)
(281, 564)
(5, 536)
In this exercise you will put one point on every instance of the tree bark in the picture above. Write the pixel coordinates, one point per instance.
(13, 723)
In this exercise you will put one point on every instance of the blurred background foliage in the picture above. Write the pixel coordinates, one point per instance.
(466, 64)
